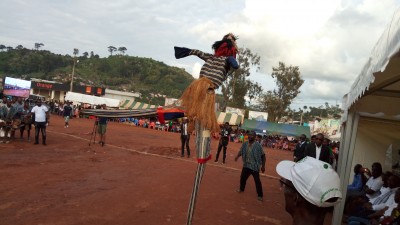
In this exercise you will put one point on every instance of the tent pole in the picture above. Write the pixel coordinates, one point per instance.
(345, 161)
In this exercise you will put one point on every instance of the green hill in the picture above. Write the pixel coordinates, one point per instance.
(118, 72)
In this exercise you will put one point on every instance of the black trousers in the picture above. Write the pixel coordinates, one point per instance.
(246, 172)
(222, 146)
(40, 126)
(185, 142)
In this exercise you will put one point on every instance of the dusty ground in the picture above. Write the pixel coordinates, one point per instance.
(138, 177)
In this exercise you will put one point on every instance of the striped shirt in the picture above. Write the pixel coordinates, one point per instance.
(215, 68)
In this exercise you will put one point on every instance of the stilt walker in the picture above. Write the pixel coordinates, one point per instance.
(199, 101)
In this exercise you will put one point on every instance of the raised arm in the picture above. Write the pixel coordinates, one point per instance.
(181, 52)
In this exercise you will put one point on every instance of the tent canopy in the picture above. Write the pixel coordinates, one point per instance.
(130, 104)
(371, 118)
(276, 128)
(231, 118)
(91, 99)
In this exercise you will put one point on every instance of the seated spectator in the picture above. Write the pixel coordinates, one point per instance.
(385, 187)
(232, 136)
(374, 183)
(381, 207)
(359, 179)
(285, 145)
(245, 136)
(394, 218)
(353, 204)
(241, 137)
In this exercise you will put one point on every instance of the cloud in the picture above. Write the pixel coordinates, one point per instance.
(329, 40)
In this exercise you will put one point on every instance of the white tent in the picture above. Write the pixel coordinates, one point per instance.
(91, 99)
(371, 120)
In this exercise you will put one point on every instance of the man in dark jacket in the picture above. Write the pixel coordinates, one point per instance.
(223, 142)
(300, 147)
(185, 138)
(317, 150)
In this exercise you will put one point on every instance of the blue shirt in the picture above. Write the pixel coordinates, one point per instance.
(102, 120)
(67, 110)
(357, 184)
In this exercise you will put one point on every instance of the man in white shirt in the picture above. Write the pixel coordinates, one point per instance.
(41, 119)
(375, 181)
(385, 187)
(387, 198)
(318, 150)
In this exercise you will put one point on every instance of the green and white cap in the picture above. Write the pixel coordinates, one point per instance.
(315, 180)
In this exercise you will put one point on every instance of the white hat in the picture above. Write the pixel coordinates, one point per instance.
(315, 180)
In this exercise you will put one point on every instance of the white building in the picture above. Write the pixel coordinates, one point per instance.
(120, 95)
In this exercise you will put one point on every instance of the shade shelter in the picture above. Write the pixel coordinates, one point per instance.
(91, 99)
(371, 119)
(276, 128)
(130, 104)
(231, 118)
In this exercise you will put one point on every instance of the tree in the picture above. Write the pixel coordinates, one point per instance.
(253, 90)
(85, 54)
(19, 47)
(2, 47)
(272, 105)
(235, 87)
(9, 48)
(38, 45)
(288, 81)
(122, 50)
(112, 49)
(76, 52)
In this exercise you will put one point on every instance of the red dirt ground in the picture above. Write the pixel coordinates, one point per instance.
(138, 177)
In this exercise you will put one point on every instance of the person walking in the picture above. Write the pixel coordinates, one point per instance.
(41, 119)
(253, 157)
(67, 113)
(185, 138)
(102, 127)
(223, 142)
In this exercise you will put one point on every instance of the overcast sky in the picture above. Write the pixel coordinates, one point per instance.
(329, 40)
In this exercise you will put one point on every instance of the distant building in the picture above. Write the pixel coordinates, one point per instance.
(120, 95)
(52, 90)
